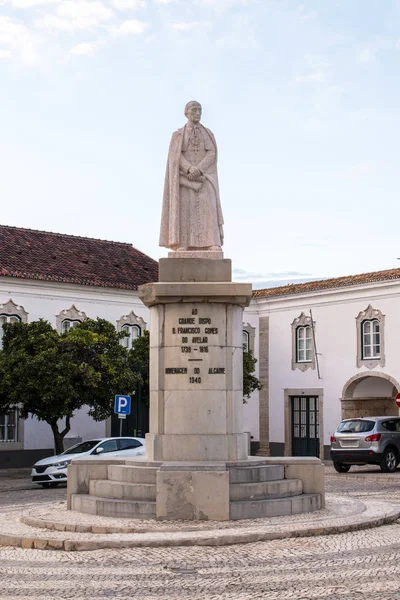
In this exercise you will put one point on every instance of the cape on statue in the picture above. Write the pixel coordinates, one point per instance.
(191, 214)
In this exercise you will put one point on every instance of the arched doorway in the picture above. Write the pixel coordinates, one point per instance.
(370, 394)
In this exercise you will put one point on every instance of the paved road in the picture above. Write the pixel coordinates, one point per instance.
(362, 565)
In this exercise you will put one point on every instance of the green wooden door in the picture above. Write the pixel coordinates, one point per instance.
(305, 426)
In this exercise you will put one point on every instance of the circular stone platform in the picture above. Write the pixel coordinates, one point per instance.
(51, 527)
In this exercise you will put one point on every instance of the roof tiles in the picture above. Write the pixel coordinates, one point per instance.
(30, 254)
(328, 284)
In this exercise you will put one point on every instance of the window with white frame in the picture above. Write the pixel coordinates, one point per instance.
(9, 426)
(133, 331)
(303, 351)
(248, 337)
(7, 319)
(134, 327)
(70, 318)
(371, 339)
(246, 340)
(304, 344)
(68, 324)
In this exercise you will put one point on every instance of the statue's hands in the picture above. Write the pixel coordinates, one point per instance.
(193, 173)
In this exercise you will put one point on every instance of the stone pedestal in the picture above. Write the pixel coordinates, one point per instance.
(197, 465)
(196, 383)
(196, 369)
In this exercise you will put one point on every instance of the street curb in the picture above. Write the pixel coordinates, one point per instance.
(203, 538)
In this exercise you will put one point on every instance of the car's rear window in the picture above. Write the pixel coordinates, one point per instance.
(355, 426)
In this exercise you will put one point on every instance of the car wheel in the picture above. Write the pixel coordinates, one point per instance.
(388, 463)
(341, 468)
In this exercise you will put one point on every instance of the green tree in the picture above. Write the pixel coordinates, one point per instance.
(51, 376)
(139, 363)
(250, 381)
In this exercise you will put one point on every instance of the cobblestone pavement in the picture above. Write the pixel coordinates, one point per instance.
(352, 566)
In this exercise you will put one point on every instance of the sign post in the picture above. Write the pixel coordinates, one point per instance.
(122, 407)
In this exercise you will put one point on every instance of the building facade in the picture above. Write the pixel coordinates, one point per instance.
(326, 350)
(64, 280)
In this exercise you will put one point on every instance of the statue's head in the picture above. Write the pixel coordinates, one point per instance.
(193, 111)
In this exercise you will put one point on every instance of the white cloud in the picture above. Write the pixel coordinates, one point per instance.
(32, 3)
(129, 4)
(131, 27)
(166, 1)
(188, 26)
(84, 9)
(315, 77)
(16, 38)
(84, 49)
(222, 5)
(76, 14)
(4, 54)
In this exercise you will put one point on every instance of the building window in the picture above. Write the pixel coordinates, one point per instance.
(134, 332)
(248, 337)
(245, 341)
(11, 313)
(69, 324)
(304, 344)
(68, 319)
(370, 325)
(133, 325)
(9, 426)
(7, 319)
(371, 339)
(303, 353)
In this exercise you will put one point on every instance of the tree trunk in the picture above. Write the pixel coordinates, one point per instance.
(59, 435)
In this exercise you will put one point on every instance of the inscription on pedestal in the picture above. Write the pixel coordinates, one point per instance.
(195, 337)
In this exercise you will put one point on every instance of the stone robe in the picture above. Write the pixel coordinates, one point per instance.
(191, 214)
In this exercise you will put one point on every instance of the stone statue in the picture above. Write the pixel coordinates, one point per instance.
(191, 215)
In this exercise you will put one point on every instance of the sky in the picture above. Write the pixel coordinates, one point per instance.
(302, 96)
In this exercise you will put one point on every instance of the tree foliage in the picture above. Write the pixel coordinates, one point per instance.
(139, 363)
(50, 375)
(250, 381)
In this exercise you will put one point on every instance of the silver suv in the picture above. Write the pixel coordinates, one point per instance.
(366, 440)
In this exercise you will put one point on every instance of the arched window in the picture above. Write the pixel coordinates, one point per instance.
(68, 324)
(303, 351)
(371, 339)
(246, 340)
(304, 344)
(133, 325)
(134, 332)
(68, 319)
(6, 319)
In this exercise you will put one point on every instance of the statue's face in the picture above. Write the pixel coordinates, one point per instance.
(193, 112)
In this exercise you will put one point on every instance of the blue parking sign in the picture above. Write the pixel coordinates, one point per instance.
(122, 405)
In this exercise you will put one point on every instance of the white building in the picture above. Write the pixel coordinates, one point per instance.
(314, 371)
(342, 362)
(65, 279)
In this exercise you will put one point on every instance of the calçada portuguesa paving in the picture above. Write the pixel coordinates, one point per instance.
(358, 564)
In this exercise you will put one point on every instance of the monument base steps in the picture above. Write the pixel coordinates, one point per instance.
(192, 491)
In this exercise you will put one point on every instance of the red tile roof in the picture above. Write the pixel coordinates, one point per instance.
(328, 284)
(30, 254)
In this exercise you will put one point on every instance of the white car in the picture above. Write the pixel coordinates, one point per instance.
(51, 471)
